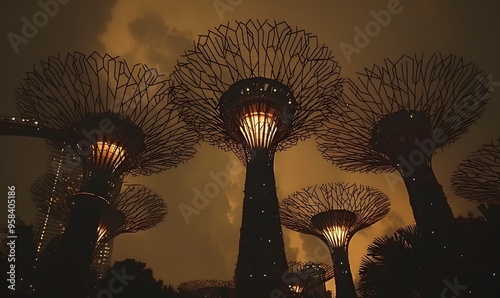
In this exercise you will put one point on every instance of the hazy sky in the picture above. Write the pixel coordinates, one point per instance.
(156, 32)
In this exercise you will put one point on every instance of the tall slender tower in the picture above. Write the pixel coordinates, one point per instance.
(48, 223)
(256, 88)
(114, 120)
(334, 212)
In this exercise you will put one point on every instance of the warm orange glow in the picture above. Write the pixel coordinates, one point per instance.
(109, 154)
(259, 129)
(101, 232)
(296, 289)
(111, 151)
(336, 235)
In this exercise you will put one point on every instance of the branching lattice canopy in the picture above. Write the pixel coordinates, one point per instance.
(390, 106)
(478, 177)
(117, 110)
(254, 49)
(334, 212)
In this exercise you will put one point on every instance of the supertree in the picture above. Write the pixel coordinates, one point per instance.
(395, 116)
(255, 88)
(116, 121)
(478, 177)
(307, 279)
(29, 127)
(134, 209)
(211, 288)
(24, 259)
(334, 212)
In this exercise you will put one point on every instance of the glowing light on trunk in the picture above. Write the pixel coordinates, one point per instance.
(296, 289)
(108, 154)
(336, 235)
(258, 129)
(335, 225)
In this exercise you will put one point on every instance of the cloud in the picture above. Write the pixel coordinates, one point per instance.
(156, 32)
(156, 43)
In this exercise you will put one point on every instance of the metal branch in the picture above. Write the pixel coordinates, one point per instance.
(316, 210)
(478, 177)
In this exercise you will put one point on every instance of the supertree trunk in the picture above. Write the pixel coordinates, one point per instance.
(434, 218)
(344, 284)
(261, 259)
(428, 201)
